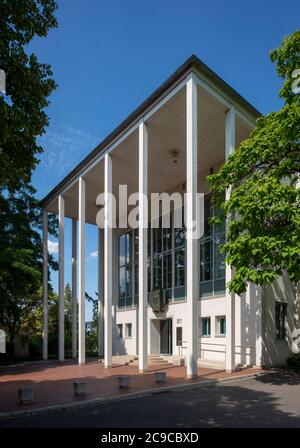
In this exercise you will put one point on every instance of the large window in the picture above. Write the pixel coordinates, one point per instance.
(166, 260)
(179, 256)
(125, 271)
(212, 262)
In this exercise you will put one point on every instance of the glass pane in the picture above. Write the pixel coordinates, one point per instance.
(219, 286)
(168, 270)
(167, 237)
(128, 247)
(121, 302)
(206, 289)
(129, 302)
(219, 260)
(156, 241)
(207, 215)
(122, 282)
(180, 267)
(205, 260)
(136, 244)
(157, 280)
(128, 281)
(179, 293)
(122, 249)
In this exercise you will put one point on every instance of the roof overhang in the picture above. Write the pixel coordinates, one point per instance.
(193, 64)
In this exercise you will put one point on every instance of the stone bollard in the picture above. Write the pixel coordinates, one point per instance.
(160, 377)
(79, 388)
(123, 382)
(25, 396)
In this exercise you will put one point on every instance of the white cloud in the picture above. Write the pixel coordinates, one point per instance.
(94, 254)
(53, 247)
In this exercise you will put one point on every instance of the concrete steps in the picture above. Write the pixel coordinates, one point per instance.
(154, 360)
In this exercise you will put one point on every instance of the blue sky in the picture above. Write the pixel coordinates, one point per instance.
(108, 56)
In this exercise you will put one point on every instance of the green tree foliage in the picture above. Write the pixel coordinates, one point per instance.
(264, 206)
(92, 330)
(22, 117)
(28, 85)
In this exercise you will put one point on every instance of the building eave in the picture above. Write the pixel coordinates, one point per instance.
(193, 63)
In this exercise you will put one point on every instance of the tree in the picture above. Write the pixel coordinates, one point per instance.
(68, 319)
(92, 330)
(28, 85)
(263, 210)
(22, 116)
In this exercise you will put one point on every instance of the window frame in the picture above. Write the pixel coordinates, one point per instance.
(127, 326)
(202, 319)
(218, 319)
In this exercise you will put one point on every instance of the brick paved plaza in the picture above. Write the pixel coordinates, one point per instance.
(52, 382)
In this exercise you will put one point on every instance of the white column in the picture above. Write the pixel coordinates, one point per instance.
(100, 292)
(61, 278)
(45, 285)
(143, 233)
(74, 289)
(258, 327)
(108, 262)
(192, 244)
(230, 298)
(81, 272)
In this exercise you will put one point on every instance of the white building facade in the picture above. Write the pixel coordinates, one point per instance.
(160, 292)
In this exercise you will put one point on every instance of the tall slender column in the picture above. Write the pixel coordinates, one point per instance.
(61, 278)
(108, 262)
(192, 244)
(45, 285)
(81, 272)
(74, 289)
(143, 234)
(230, 298)
(258, 326)
(100, 292)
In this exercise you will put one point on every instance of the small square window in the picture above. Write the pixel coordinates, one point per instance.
(280, 320)
(205, 326)
(221, 326)
(120, 331)
(128, 330)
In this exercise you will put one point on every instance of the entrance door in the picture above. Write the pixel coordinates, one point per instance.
(166, 337)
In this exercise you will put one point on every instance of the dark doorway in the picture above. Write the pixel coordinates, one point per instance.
(166, 337)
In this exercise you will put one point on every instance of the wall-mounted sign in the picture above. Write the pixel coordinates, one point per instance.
(179, 336)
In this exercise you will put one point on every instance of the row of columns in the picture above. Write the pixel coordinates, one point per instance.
(105, 251)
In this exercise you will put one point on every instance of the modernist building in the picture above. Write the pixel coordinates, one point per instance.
(159, 292)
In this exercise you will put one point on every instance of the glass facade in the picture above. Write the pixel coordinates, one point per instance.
(212, 262)
(167, 261)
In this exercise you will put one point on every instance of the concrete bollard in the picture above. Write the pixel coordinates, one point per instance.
(25, 396)
(123, 382)
(79, 388)
(160, 377)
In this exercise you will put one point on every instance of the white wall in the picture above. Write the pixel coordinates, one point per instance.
(209, 348)
(275, 352)
(126, 346)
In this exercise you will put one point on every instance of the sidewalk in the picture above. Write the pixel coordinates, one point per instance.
(52, 382)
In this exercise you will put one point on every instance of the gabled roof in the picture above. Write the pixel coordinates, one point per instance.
(192, 63)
